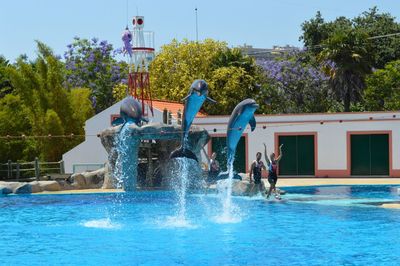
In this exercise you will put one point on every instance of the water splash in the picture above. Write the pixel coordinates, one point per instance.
(180, 182)
(123, 171)
(126, 153)
(101, 223)
(230, 212)
(176, 222)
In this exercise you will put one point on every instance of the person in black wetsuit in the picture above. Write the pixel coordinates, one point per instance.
(256, 170)
(272, 163)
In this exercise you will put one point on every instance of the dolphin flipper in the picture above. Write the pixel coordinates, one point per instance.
(252, 123)
(181, 152)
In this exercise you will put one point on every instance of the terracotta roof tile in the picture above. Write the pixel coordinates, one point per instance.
(174, 107)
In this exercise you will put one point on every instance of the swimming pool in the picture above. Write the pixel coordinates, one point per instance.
(333, 225)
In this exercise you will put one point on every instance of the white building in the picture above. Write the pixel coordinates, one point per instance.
(316, 145)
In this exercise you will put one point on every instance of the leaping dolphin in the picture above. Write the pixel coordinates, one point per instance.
(242, 115)
(198, 94)
(130, 110)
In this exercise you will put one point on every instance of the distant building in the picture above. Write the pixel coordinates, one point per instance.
(266, 53)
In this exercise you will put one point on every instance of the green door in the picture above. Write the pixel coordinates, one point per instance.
(360, 155)
(305, 153)
(370, 154)
(288, 163)
(298, 155)
(218, 145)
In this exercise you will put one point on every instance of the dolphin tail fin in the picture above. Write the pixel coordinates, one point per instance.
(117, 122)
(181, 152)
(252, 123)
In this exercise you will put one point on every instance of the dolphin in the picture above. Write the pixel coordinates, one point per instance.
(198, 94)
(130, 111)
(242, 115)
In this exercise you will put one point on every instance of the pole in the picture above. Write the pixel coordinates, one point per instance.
(179, 115)
(37, 170)
(18, 171)
(62, 167)
(9, 169)
(197, 27)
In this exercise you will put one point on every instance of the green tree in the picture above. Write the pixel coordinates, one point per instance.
(345, 51)
(228, 89)
(383, 88)
(231, 75)
(385, 49)
(5, 84)
(14, 122)
(81, 106)
(120, 92)
(315, 31)
(53, 147)
(346, 56)
(48, 107)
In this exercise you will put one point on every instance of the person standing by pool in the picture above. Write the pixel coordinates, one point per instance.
(256, 170)
(213, 168)
(272, 163)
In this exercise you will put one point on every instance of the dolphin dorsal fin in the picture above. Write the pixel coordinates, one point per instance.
(252, 123)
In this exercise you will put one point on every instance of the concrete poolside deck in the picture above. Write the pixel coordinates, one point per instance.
(294, 182)
(81, 191)
(282, 182)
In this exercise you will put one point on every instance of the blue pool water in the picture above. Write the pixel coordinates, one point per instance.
(311, 226)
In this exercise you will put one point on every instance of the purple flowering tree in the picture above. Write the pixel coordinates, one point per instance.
(293, 86)
(91, 64)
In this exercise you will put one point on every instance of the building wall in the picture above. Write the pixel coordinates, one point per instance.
(91, 152)
(331, 133)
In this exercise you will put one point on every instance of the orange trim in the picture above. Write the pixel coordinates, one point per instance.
(246, 141)
(307, 133)
(395, 173)
(304, 121)
(309, 114)
(392, 172)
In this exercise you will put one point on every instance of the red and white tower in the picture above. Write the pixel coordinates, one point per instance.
(141, 56)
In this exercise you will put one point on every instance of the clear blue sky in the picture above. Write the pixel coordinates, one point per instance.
(261, 23)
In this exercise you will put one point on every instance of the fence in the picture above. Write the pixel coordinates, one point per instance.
(23, 170)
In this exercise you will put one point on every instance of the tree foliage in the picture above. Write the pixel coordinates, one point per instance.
(5, 84)
(90, 64)
(383, 88)
(346, 56)
(293, 86)
(344, 49)
(231, 75)
(375, 24)
(40, 105)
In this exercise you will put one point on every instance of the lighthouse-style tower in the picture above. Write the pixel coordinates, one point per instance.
(141, 54)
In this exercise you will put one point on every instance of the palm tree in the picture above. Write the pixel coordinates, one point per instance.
(346, 56)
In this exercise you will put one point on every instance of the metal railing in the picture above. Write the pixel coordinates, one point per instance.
(35, 169)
